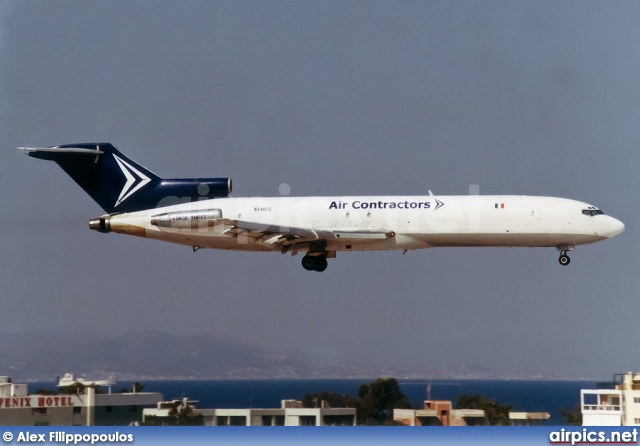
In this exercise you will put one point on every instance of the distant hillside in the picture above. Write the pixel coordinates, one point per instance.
(151, 354)
(41, 355)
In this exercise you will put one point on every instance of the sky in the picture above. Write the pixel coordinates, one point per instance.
(331, 98)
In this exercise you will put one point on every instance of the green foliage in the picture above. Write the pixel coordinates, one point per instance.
(374, 405)
(378, 399)
(179, 415)
(334, 399)
(184, 416)
(495, 414)
(572, 417)
(137, 388)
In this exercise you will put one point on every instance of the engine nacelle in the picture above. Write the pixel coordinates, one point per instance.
(188, 219)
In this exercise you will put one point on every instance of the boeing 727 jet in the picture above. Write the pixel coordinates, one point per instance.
(197, 212)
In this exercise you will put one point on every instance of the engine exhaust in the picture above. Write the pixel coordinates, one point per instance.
(101, 224)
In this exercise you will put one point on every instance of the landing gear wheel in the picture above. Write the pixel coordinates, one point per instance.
(564, 249)
(314, 263)
(308, 263)
(321, 264)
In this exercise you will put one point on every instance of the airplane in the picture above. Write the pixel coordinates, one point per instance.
(198, 212)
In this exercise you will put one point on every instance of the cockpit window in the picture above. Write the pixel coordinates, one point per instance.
(591, 211)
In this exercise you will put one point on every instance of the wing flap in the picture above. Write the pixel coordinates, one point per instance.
(368, 235)
(282, 238)
(264, 229)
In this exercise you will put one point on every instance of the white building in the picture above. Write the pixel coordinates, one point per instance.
(18, 408)
(601, 407)
(291, 413)
(618, 406)
(439, 413)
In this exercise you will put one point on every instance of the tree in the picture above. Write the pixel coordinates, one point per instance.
(137, 388)
(312, 400)
(378, 399)
(495, 414)
(572, 417)
(182, 415)
(374, 405)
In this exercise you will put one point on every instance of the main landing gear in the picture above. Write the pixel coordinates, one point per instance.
(564, 258)
(316, 258)
(315, 263)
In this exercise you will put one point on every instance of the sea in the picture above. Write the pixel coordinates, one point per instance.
(526, 396)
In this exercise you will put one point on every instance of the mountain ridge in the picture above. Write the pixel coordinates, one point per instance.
(154, 354)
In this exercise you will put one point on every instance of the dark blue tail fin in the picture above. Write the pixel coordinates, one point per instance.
(120, 185)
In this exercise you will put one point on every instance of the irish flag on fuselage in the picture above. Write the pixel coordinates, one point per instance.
(499, 206)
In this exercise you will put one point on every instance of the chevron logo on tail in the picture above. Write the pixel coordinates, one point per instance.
(135, 180)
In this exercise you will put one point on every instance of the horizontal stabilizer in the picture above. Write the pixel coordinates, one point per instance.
(61, 153)
(77, 150)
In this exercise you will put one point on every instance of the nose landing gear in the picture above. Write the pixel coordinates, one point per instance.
(564, 258)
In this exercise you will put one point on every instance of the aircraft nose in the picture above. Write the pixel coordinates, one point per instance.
(615, 227)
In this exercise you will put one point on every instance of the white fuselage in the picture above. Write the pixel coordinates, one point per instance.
(381, 222)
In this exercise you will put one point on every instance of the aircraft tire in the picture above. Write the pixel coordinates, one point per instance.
(564, 260)
(321, 264)
(309, 263)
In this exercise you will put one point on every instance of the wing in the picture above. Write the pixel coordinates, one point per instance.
(284, 239)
